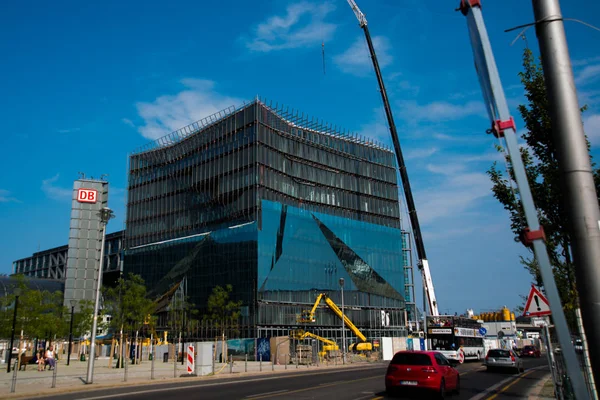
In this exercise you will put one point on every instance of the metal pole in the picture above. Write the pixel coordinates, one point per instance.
(587, 366)
(13, 385)
(153, 352)
(498, 110)
(343, 324)
(54, 375)
(12, 335)
(105, 215)
(260, 362)
(125, 364)
(246, 363)
(70, 335)
(231, 363)
(573, 157)
(175, 348)
(551, 364)
(424, 315)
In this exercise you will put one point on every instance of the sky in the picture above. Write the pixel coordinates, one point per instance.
(86, 83)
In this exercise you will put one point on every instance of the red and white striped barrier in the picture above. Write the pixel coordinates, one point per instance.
(190, 359)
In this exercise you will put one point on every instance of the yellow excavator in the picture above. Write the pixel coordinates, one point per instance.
(308, 316)
(328, 345)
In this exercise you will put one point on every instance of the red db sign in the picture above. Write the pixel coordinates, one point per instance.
(87, 195)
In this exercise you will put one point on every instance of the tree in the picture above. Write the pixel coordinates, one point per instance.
(541, 165)
(222, 310)
(40, 313)
(128, 307)
(127, 303)
(82, 319)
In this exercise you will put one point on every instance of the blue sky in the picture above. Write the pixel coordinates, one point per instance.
(85, 83)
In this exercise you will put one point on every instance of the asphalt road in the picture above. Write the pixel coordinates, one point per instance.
(355, 383)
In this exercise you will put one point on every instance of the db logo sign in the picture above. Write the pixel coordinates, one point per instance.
(87, 195)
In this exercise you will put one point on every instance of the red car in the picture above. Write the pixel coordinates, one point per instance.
(421, 371)
(530, 351)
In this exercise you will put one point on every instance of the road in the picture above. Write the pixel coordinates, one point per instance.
(357, 383)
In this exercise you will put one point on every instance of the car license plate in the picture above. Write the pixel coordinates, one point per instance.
(409, 383)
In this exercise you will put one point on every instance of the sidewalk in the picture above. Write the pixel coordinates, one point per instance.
(32, 383)
(543, 389)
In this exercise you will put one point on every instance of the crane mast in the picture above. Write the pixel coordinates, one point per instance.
(423, 264)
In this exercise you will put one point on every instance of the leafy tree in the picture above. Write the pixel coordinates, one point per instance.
(40, 314)
(82, 319)
(127, 303)
(222, 310)
(541, 165)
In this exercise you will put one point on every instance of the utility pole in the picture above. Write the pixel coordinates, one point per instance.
(105, 215)
(574, 161)
(503, 126)
(343, 324)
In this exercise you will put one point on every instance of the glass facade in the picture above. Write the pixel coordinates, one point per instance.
(277, 207)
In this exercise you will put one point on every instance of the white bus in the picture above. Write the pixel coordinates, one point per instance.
(457, 338)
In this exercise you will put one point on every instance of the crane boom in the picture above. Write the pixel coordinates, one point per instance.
(347, 321)
(309, 316)
(423, 264)
(303, 335)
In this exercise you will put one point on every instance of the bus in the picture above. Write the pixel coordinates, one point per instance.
(455, 337)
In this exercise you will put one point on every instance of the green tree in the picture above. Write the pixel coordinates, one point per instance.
(127, 304)
(82, 319)
(221, 309)
(40, 313)
(541, 165)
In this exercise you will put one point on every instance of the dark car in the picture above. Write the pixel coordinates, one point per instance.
(530, 351)
(421, 371)
(578, 344)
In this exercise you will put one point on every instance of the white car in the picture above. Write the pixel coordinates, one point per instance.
(503, 359)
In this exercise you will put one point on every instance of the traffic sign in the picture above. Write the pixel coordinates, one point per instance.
(482, 331)
(537, 304)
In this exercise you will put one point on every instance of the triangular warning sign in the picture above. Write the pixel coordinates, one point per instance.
(537, 304)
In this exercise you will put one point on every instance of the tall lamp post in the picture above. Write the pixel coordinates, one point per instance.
(17, 293)
(343, 324)
(105, 215)
(73, 302)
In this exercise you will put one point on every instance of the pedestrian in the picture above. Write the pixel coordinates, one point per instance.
(50, 360)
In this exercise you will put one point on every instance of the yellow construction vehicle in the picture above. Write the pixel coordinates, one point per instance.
(328, 345)
(308, 316)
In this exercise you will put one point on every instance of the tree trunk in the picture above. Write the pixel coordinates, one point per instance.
(121, 355)
(112, 352)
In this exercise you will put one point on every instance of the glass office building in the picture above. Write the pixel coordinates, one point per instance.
(278, 206)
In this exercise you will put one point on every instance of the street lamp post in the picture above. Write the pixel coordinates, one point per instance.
(343, 324)
(105, 215)
(17, 293)
(73, 302)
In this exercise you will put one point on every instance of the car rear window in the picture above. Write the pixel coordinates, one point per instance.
(411, 359)
(499, 353)
(529, 348)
